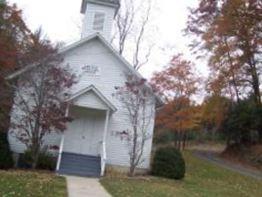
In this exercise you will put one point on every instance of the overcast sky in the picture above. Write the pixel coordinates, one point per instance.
(61, 21)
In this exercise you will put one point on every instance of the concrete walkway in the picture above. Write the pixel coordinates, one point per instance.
(85, 187)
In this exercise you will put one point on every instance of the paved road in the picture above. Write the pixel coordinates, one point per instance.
(85, 187)
(211, 157)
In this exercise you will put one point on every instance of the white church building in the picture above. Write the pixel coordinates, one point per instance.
(90, 145)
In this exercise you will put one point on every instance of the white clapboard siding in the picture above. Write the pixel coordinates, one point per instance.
(51, 140)
(111, 73)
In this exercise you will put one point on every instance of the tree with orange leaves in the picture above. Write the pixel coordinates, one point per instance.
(176, 80)
(177, 83)
(179, 116)
(228, 32)
(214, 112)
(14, 39)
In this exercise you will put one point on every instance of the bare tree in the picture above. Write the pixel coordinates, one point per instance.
(137, 100)
(124, 23)
(131, 26)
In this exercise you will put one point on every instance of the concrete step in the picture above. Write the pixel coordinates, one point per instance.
(79, 173)
(82, 168)
(80, 165)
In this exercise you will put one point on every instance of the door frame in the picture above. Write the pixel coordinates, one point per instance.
(96, 132)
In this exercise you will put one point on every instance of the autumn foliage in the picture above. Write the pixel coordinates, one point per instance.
(37, 94)
(228, 34)
(176, 80)
(14, 38)
(41, 93)
(214, 110)
(14, 34)
(177, 83)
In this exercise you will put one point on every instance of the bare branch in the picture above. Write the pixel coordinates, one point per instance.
(140, 38)
(131, 25)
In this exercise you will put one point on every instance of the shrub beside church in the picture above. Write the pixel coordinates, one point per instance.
(168, 162)
(6, 160)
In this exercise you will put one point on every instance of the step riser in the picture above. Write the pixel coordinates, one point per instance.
(87, 165)
(77, 173)
(76, 161)
(80, 161)
(96, 173)
(79, 156)
(80, 165)
(80, 168)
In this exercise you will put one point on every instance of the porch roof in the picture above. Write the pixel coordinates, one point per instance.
(97, 93)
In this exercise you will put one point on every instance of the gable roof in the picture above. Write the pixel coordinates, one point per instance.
(84, 41)
(97, 93)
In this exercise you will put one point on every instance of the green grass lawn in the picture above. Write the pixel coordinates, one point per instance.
(202, 179)
(26, 183)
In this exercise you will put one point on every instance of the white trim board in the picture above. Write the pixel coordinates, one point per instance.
(97, 92)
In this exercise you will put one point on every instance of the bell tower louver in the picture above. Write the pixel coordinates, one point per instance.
(98, 17)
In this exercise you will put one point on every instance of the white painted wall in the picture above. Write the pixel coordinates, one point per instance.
(112, 73)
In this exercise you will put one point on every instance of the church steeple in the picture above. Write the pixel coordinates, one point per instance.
(99, 17)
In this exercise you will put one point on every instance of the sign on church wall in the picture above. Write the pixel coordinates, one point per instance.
(91, 70)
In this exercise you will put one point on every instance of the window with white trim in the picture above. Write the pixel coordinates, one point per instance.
(99, 20)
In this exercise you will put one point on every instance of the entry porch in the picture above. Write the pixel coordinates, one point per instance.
(82, 149)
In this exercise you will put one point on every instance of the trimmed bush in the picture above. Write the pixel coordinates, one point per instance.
(6, 159)
(169, 163)
(45, 161)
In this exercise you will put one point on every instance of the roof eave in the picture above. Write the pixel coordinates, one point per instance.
(98, 93)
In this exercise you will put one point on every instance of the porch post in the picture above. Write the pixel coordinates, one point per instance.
(106, 125)
(103, 152)
(61, 144)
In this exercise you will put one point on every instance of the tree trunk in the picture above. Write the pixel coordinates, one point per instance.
(184, 140)
(260, 136)
(35, 155)
(134, 153)
(256, 87)
(232, 73)
(179, 142)
(253, 71)
(175, 140)
(132, 171)
(34, 164)
(6, 97)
